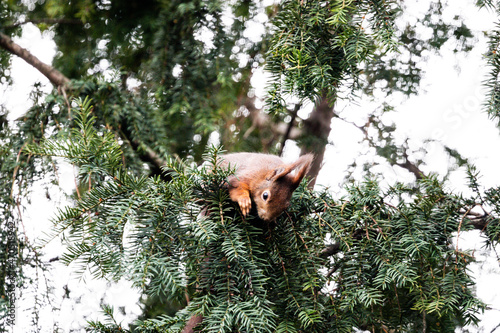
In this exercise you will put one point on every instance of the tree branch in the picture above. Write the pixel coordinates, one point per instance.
(478, 220)
(192, 323)
(290, 126)
(409, 165)
(330, 250)
(45, 20)
(317, 128)
(262, 120)
(411, 168)
(145, 153)
(152, 157)
(55, 77)
(60, 81)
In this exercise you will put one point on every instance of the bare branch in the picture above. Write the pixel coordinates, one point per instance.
(478, 220)
(192, 323)
(261, 120)
(330, 250)
(290, 126)
(152, 156)
(145, 153)
(412, 168)
(45, 20)
(54, 76)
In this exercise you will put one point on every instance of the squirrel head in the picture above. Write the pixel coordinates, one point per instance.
(273, 195)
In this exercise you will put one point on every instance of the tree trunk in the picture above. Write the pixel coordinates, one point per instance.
(317, 129)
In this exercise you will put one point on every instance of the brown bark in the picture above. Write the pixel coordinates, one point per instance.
(412, 168)
(146, 153)
(330, 250)
(317, 129)
(478, 220)
(192, 323)
(54, 76)
(261, 120)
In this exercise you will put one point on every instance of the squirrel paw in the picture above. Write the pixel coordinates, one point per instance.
(245, 204)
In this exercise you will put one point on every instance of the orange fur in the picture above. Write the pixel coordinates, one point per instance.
(264, 181)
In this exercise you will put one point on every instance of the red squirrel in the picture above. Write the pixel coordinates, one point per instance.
(264, 180)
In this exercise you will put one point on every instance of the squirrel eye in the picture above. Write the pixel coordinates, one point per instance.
(265, 195)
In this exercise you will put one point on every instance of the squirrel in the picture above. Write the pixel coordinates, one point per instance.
(265, 180)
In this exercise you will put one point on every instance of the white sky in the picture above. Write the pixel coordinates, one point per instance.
(449, 109)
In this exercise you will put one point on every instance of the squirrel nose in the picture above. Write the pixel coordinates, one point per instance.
(264, 215)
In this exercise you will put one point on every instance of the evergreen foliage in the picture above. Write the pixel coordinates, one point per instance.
(319, 44)
(149, 93)
(396, 267)
(492, 82)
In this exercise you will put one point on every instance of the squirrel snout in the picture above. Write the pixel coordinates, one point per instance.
(269, 214)
(263, 214)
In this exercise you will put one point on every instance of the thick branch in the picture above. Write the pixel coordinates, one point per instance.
(54, 76)
(152, 157)
(145, 153)
(317, 129)
(412, 168)
(478, 220)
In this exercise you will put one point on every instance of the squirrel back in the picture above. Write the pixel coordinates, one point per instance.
(265, 180)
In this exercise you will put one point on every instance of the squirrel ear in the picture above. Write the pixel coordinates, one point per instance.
(277, 173)
(301, 165)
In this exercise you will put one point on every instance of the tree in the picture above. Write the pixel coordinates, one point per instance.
(180, 81)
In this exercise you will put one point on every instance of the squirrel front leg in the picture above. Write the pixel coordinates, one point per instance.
(240, 193)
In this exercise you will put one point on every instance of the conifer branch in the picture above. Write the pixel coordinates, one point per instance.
(330, 250)
(59, 80)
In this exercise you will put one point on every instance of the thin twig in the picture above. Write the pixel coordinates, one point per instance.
(45, 20)
(290, 126)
